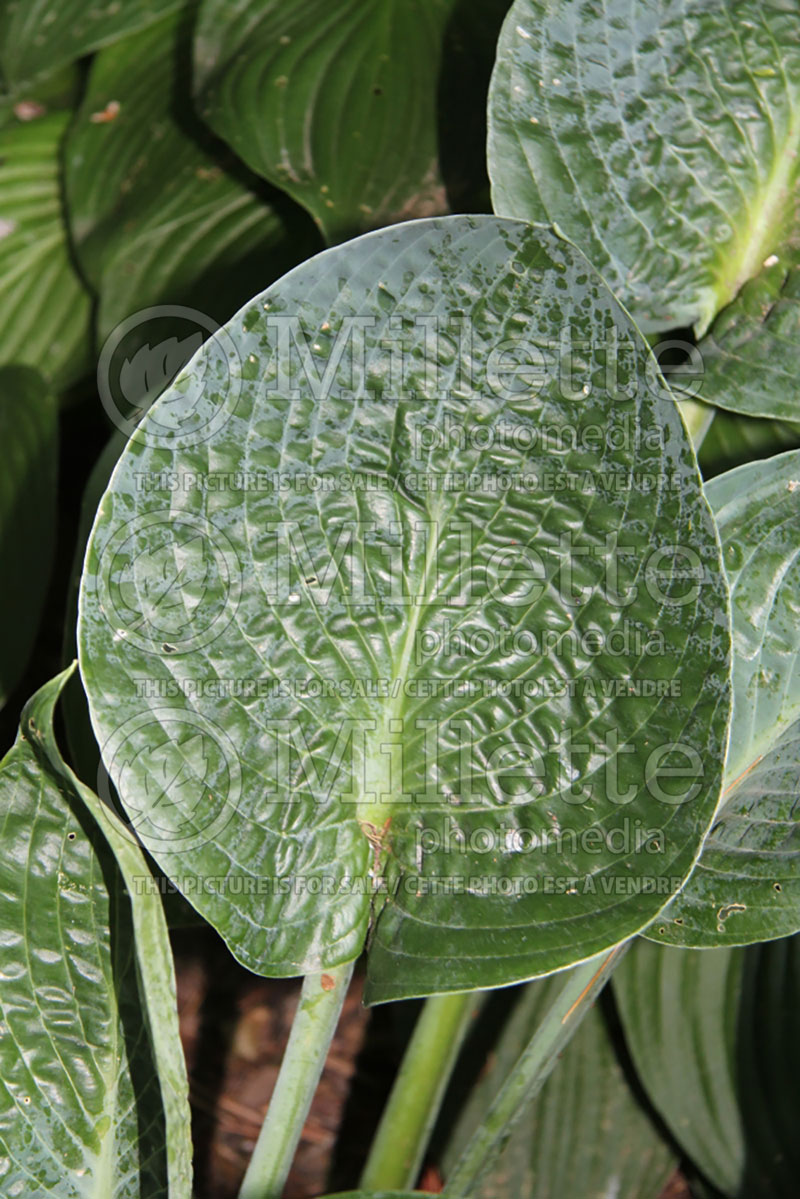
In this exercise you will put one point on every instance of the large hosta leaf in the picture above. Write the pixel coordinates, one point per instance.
(335, 103)
(44, 308)
(38, 35)
(585, 1134)
(28, 435)
(714, 1037)
(156, 215)
(331, 644)
(84, 753)
(757, 509)
(750, 353)
(93, 1099)
(746, 885)
(663, 139)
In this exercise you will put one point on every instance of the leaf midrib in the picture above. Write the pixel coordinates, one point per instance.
(765, 225)
(377, 778)
(102, 1180)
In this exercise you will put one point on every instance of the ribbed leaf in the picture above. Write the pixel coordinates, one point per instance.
(80, 739)
(334, 646)
(156, 216)
(335, 103)
(757, 508)
(750, 352)
(746, 885)
(50, 93)
(28, 435)
(37, 36)
(714, 1036)
(663, 139)
(679, 1010)
(93, 1100)
(44, 308)
(585, 1134)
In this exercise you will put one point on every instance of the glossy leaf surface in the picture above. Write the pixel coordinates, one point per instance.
(331, 647)
(44, 307)
(336, 104)
(158, 217)
(714, 1037)
(746, 885)
(39, 35)
(750, 352)
(93, 1103)
(664, 141)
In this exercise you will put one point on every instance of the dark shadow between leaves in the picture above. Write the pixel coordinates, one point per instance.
(467, 60)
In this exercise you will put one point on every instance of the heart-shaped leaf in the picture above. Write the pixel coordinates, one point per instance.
(37, 36)
(29, 436)
(746, 885)
(665, 144)
(156, 216)
(460, 662)
(334, 104)
(585, 1134)
(714, 1038)
(94, 1100)
(44, 309)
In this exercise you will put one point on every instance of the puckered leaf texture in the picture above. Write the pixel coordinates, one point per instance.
(458, 646)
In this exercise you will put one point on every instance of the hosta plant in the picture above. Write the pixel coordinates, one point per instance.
(434, 607)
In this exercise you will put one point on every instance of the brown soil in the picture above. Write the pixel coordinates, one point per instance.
(234, 1027)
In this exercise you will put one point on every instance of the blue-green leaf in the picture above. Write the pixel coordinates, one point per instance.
(336, 665)
(746, 885)
(665, 141)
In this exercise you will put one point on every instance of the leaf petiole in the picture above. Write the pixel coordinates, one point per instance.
(410, 1114)
(313, 1027)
